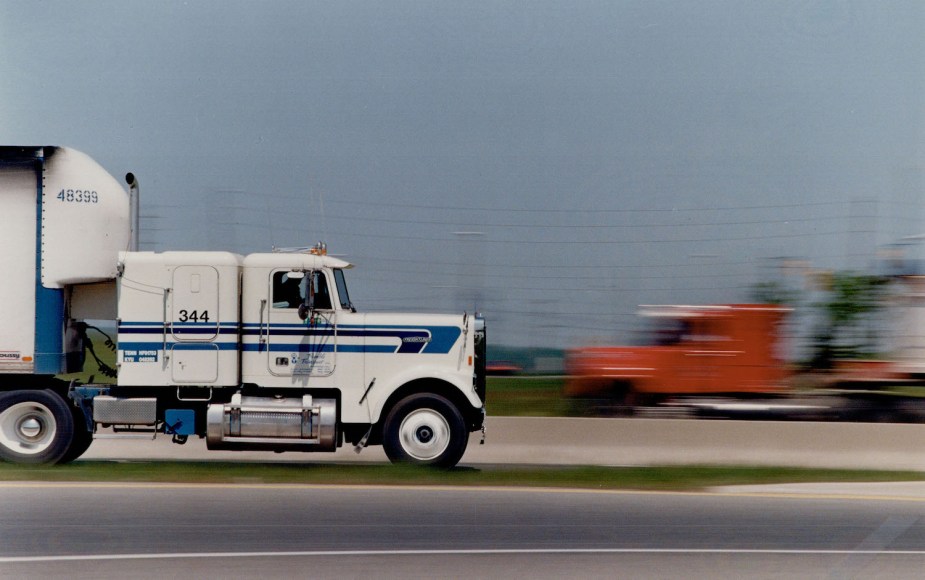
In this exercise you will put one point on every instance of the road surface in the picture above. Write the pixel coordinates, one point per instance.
(222, 531)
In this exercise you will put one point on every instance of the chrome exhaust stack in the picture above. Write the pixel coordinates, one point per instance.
(134, 210)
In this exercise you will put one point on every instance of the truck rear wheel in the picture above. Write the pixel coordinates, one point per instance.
(35, 427)
(81, 440)
(425, 429)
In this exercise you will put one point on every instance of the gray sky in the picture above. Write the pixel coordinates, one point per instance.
(608, 153)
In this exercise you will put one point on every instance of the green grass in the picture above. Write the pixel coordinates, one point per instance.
(526, 397)
(630, 478)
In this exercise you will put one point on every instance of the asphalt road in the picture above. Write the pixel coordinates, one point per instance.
(636, 441)
(220, 531)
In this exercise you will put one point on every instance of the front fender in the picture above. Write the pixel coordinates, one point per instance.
(423, 374)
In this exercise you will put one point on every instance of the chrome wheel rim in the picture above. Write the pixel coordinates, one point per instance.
(27, 428)
(424, 434)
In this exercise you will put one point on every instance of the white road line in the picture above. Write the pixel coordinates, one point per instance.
(886, 534)
(474, 552)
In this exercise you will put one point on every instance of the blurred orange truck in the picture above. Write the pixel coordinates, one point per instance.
(692, 350)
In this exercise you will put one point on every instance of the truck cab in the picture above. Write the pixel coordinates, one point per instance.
(690, 350)
(275, 344)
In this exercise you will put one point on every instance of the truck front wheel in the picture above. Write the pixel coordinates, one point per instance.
(35, 427)
(425, 429)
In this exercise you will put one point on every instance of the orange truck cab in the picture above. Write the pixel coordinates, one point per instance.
(692, 350)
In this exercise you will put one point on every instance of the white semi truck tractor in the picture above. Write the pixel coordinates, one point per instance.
(257, 352)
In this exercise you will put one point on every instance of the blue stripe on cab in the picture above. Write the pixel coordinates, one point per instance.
(411, 339)
(178, 345)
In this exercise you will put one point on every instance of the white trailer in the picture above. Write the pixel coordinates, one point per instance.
(265, 351)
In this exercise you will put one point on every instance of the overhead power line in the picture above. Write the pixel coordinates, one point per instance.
(356, 202)
(603, 242)
(534, 226)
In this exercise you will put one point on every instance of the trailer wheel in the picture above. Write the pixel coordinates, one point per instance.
(35, 427)
(82, 437)
(425, 429)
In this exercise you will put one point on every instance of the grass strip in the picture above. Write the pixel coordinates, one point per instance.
(672, 478)
(526, 397)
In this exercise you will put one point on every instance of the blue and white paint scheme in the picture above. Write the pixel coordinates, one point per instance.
(179, 325)
(178, 318)
(339, 348)
(258, 352)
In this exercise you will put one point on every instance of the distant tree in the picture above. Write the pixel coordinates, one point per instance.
(774, 292)
(846, 328)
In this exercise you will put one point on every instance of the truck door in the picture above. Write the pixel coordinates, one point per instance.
(194, 322)
(707, 357)
(298, 347)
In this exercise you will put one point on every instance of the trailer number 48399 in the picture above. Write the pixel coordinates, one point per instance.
(78, 196)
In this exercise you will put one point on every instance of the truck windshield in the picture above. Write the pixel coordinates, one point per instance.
(668, 331)
(342, 290)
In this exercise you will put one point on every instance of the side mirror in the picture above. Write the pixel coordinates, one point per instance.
(307, 308)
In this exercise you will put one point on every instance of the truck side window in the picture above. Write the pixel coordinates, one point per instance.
(342, 290)
(671, 331)
(288, 292)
